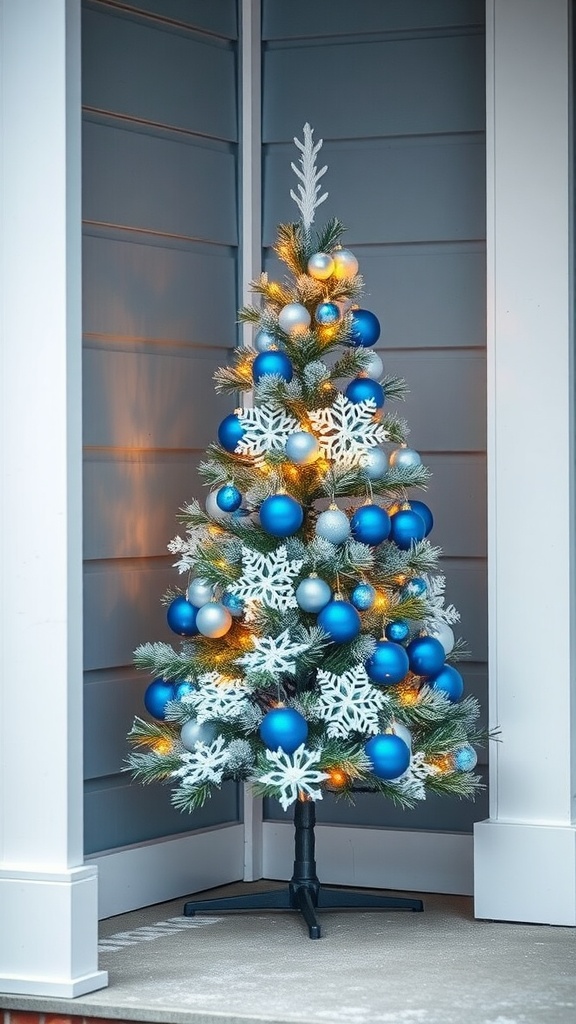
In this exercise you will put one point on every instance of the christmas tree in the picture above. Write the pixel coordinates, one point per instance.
(317, 651)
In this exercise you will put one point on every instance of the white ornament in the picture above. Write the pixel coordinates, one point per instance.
(294, 318)
(345, 264)
(373, 366)
(404, 733)
(307, 199)
(274, 655)
(203, 764)
(444, 633)
(268, 578)
(266, 428)
(294, 774)
(224, 701)
(349, 702)
(347, 429)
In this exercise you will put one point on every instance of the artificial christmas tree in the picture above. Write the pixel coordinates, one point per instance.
(317, 650)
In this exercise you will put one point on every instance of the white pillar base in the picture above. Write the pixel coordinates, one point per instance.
(49, 935)
(525, 872)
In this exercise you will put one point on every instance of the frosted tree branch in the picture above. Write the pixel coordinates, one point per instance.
(307, 199)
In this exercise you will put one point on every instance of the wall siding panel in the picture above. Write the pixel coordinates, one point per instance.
(324, 18)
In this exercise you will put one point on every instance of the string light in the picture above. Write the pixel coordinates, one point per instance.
(337, 779)
(442, 762)
(408, 691)
(162, 746)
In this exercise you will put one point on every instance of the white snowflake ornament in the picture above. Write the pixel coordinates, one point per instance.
(224, 701)
(268, 578)
(273, 655)
(266, 428)
(349, 702)
(294, 774)
(346, 430)
(206, 763)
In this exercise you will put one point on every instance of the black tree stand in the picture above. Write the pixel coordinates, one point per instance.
(304, 892)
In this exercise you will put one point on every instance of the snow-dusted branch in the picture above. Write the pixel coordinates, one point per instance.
(307, 200)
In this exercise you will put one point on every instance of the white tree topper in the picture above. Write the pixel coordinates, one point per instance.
(294, 774)
(268, 578)
(346, 429)
(349, 702)
(307, 200)
(274, 655)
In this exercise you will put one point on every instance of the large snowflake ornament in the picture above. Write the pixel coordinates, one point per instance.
(349, 702)
(206, 763)
(226, 702)
(294, 774)
(346, 430)
(266, 428)
(273, 655)
(268, 578)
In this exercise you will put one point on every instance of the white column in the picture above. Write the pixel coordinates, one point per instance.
(48, 906)
(525, 854)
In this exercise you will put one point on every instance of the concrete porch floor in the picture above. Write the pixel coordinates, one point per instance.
(373, 967)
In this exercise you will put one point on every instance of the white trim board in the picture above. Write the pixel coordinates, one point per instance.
(147, 873)
(377, 858)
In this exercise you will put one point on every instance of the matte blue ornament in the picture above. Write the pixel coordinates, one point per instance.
(302, 448)
(157, 696)
(465, 758)
(422, 509)
(313, 594)
(370, 525)
(397, 631)
(414, 588)
(365, 329)
(228, 498)
(285, 728)
(264, 341)
(363, 597)
(449, 681)
(182, 689)
(333, 525)
(194, 732)
(234, 604)
(364, 389)
(281, 515)
(326, 314)
(389, 755)
(426, 655)
(388, 665)
(181, 617)
(406, 526)
(376, 463)
(340, 620)
(230, 432)
(272, 362)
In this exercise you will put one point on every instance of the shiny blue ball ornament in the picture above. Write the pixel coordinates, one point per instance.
(157, 696)
(313, 594)
(397, 631)
(388, 665)
(364, 389)
(283, 728)
(389, 755)
(414, 588)
(302, 448)
(182, 689)
(376, 463)
(230, 432)
(264, 341)
(281, 515)
(363, 597)
(426, 655)
(234, 604)
(272, 362)
(406, 526)
(181, 617)
(465, 758)
(365, 329)
(228, 498)
(370, 525)
(422, 509)
(326, 314)
(340, 620)
(449, 681)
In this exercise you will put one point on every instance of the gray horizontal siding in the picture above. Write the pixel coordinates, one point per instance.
(302, 19)
(219, 18)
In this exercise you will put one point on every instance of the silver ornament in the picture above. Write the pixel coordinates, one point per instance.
(333, 525)
(213, 509)
(405, 458)
(320, 266)
(444, 633)
(302, 448)
(294, 318)
(193, 732)
(376, 463)
(404, 734)
(374, 366)
(345, 264)
(313, 594)
(200, 591)
(264, 341)
(213, 620)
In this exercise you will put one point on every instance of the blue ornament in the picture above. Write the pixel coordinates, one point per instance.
(326, 314)
(333, 525)
(340, 620)
(449, 681)
(230, 432)
(182, 689)
(397, 631)
(281, 515)
(364, 389)
(406, 526)
(388, 665)
(264, 341)
(465, 758)
(389, 755)
(370, 525)
(285, 728)
(181, 617)
(365, 329)
(426, 655)
(302, 448)
(414, 588)
(363, 597)
(234, 604)
(157, 696)
(194, 732)
(313, 594)
(272, 362)
(376, 463)
(422, 509)
(228, 498)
